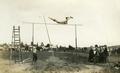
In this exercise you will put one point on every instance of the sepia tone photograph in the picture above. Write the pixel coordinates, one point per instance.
(59, 36)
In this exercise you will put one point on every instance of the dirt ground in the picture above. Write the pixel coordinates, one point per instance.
(51, 65)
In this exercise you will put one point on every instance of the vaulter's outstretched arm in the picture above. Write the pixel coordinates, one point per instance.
(53, 19)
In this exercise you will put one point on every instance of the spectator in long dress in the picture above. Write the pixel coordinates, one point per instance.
(91, 55)
(106, 54)
(96, 54)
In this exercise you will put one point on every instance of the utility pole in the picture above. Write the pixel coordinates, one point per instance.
(32, 34)
(75, 36)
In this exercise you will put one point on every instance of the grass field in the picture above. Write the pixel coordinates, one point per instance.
(61, 63)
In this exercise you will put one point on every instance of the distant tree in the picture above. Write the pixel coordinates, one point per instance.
(5, 45)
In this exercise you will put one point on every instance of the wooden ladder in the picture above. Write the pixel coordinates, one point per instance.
(16, 40)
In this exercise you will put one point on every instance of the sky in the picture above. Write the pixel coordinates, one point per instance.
(99, 19)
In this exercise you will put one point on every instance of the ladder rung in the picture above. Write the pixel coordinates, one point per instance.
(16, 41)
(16, 34)
(16, 29)
(17, 37)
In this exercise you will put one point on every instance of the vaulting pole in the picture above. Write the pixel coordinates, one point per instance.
(48, 34)
(47, 30)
